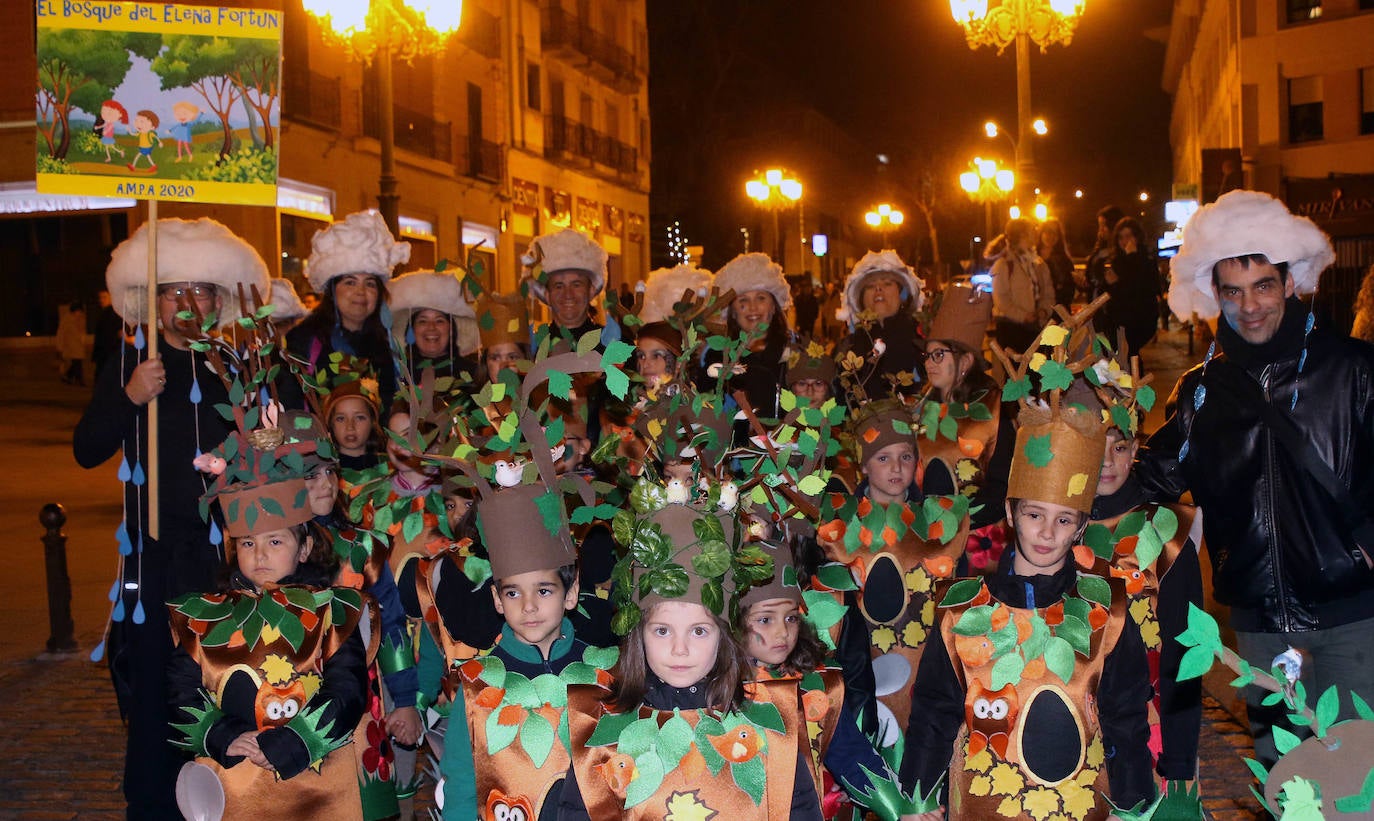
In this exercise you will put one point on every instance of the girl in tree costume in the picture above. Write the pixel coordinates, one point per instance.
(963, 422)
(889, 546)
(269, 678)
(1037, 685)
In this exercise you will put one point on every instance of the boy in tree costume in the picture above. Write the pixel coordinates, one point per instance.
(1037, 685)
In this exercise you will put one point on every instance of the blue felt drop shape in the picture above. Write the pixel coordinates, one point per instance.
(125, 548)
(1183, 451)
(1302, 360)
(195, 391)
(114, 591)
(410, 335)
(138, 478)
(1311, 320)
(99, 652)
(123, 473)
(118, 614)
(216, 538)
(1293, 403)
(139, 341)
(610, 333)
(384, 314)
(139, 618)
(1199, 396)
(140, 544)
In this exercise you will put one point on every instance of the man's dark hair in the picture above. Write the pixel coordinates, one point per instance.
(567, 574)
(1246, 261)
(1112, 214)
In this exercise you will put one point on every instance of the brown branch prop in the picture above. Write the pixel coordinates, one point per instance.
(804, 505)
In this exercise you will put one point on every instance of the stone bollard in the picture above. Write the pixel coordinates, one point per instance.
(61, 640)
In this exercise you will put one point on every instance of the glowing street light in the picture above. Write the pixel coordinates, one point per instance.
(1042, 212)
(774, 189)
(986, 183)
(884, 218)
(1039, 128)
(1144, 196)
(384, 31)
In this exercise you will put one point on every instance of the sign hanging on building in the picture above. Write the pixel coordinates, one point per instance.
(587, 217)
(524, 196)
(615, 220)
(636, 232)
(558, 206)
(1343, 206)
(154, 101)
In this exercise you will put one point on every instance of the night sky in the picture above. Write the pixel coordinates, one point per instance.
(900, 79)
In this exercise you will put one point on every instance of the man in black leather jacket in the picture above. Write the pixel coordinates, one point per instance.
(1252, 432)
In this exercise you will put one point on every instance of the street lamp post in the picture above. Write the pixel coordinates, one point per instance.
(884, 218)
(986, 183)
(386, 30)
(774, 189)
(1000, 23)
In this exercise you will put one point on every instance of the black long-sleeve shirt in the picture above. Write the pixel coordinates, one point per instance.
(937, 704)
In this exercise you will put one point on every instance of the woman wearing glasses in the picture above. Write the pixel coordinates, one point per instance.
(963, 422)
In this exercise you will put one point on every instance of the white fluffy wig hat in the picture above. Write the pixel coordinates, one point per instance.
(754, 272)
(358, 244)
(413, 292)
(288, 304)
(665, 287)
(1240, 223)
(565, 250)
(880, 262)
(200, 250)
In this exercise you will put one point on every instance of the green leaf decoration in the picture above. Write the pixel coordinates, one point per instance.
(1038, 451)
(836, 576)
(1034, 645)
(675, 738)
(1095, 589)
(560, 384)
(1362, 708)
(622, 527)
(949, 428)
(1257, 769)
(811, 485)
(1203, 627)
(1361, 801)
(1196, 661)
(1077, 633)
(1328, 706)
(1016, 389)
(219, 635)
(1147, 546)
(961, 592)
(1300, 800)
(499, 736)
(1145, 397)
(1099, 538)
(975, 621)
(713, 596)
(763, 715)
(1076, 608)
(751, 776)
(1059, 658)
(549, 689)
(1004, 640)
(650, 778)
(638, 737)
(824, 613)
(1007, 670)
(1053, 376)
(537, 737)
(609, 727)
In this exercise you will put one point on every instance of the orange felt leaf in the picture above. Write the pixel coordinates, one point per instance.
(1023, 625)
(865, 535)
(236, 640)
(815, 704)
(309, 620)
(510, 715)
(604, 678)
(551, 714)
(939, 566)
(1000, 617)
(975, 651)
(1126, 547)
(831, 531)
(1054, 614)
(945, 502)
(865, 506)
(348, 577)
(490, 697)
(869, 435)
(1035, 668)
(907, 515)
(1083, 556)
(198, 626)
(693, 764)
(972, 448)
(937, 531)
(983, 597)
(889, 536)
(1097, 617)
(471, 669)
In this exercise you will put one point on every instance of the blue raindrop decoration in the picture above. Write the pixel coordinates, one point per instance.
(1311, 320)
(140, 342)
(139, 618)
(99, 652)
(1183, 451)
(114, 591)
(124, 474)
(610, 333)
(410, 335)
(216, 538)
(195, 392)
(1199, 396)
(122, 538)
(118, 614)
(138, 478)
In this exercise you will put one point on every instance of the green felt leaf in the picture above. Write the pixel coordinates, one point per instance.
(1007, 670)
(1195, 662)
(1095, 589)
(1122, 419)
(651, 772)
(413, 526)
(824, 613)
(560, 384)
(549, 689)
(751, 776)
(588, 341)
(975, 621)
(537, 737)
(1076, 608)
(252, 629)
(1328, 705)
(811, 485)
(1203, 626)
(949, 428)
(1016, 389)
(1004, 640)
(713, 596)
(1034, 645)
(1145, 397)
(674, 739)
(836, 576)
(609, 727)
(617, 382)
(1053, 376)
(765, 715)
(979, 412)
(1165, 523)
(1037, 450)
(961, 592)
(1099, 538)
(520, 690)
(1361, 801)
(1257, 769)
(1284, 740)
(1362, 708)
(638, 737)
(1147, 546)
(1059, 658)
(499, 736)
(787, 400)
(1077, 633)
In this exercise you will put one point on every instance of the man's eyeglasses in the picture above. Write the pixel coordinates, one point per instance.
(179, 292)
(938, 355)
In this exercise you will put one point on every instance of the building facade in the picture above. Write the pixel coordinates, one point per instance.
(534, 116)
(1278, 96)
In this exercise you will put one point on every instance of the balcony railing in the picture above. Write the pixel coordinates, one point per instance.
(484, 159)
(566, 137)
(310, 97)
(562, 31)
(415, 132)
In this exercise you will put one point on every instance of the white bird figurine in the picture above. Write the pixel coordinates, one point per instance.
(729, 496)
(509, 474)
(677, 492)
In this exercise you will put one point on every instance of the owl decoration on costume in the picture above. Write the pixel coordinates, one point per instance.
(991, 717)
(277, 704)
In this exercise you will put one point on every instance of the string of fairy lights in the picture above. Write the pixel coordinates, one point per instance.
(677, 243)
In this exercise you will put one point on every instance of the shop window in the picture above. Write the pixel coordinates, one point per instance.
(1304, 109)
(1300, 11)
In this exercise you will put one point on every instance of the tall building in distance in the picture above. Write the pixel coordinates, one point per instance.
(535, 116)
(1278, 96)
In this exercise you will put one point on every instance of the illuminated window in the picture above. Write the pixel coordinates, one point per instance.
(1304, 109)
(1300, 11)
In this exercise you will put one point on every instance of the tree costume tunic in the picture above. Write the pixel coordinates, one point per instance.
(288, 661)
(895, 554)
(1147, 546)
(645, 763)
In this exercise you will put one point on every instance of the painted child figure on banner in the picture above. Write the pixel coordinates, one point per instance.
(145, 128)
(186, 114)
(111, 115)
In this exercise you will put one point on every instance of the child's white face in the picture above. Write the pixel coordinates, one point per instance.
(772, 626)
(533, 605)
(323, 485)
(890, 472)
(269, 557)
(1045, 533)
(680, 642)
(1116, 463)
(351, 425)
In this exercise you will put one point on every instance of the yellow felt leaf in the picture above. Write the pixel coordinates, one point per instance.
(1053, 335)
(1041, 802)
(269, 634)
(1087, 778)
(883, 638)
(1125, 381)
(655, 429)
(1078, 799)
(1149, 633)
(980, 786)
(914, 634)
(1140, 610)
(1038, 361)
(815, 350)
(277, 669)
(928, 612)
(1078, 483)
(1010, 807)
(980, 763)
(512, 326)
(1007, 779)
(685, 806)
(917, 580)
(1096, 755)
(310, 682)
(966, 470)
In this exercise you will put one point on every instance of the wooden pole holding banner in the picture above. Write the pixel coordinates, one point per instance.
(150, 450)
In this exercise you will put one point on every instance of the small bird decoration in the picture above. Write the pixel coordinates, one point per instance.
(509, 473)
(739, 744)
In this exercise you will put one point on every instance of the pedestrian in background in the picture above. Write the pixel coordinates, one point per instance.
(1053, 248)
(108, 334)
(1095, 275)
(1022, 291)
(1132, 280)
(71, 343)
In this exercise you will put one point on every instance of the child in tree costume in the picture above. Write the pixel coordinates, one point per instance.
(270, 675)
(1037, 687)
(1149, 547)
(896, 545)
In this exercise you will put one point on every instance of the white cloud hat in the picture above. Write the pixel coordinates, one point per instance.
(358, 244)
(440, 291)
(565, 250)
(754, 272)
(665, 286)
(880, 262)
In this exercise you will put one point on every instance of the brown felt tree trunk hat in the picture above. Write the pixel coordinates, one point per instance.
(502, 318)
(962, 318)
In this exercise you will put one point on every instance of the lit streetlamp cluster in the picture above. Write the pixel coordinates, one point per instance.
(774, 189)
(986, 183)
(884, 218)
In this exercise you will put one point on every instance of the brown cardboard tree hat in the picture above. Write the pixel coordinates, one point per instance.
(962, 317)
(250, 509)
(811, 362)
(880, 424)
(782, 585)
(502, 318)
(525, 528)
